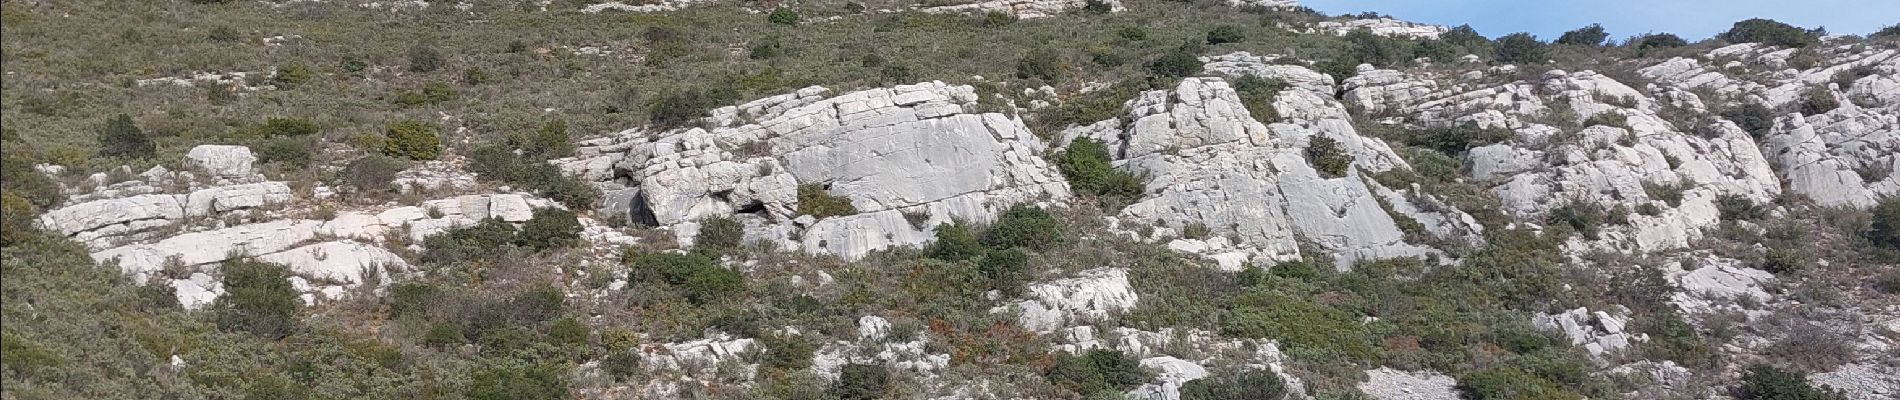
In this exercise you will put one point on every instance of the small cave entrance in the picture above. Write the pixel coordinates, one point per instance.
(641, 213)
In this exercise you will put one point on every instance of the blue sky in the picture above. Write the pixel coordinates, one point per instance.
(1692, 19)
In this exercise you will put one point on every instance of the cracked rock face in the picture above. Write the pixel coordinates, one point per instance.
(1208, 162)
(907, 158)
(1598, 332)
(1382, 27)
(1094, 295)
(1647, 163)
(1025, 9)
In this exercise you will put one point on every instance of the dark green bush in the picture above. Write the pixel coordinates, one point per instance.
(1025, 226)
(1252, 384)
(1592, 36)
(549, 228)
(1006, 269)
(258, 299)
(1764, 382)
(1097, 7)
(1781, 261)
(1258, 94)
(1739, 208)
(766, 48)
(862, 382)
(424, 58)
(1506, 383)
(1225, 34)
(783, 16)
(1659, 41)
(121, 138)
(1455, 141)
(291, 151)
(1096, 371)
(444, 335)
(1890, 31)
(497, 163)
(286, 127)
(1581, 217)
(720, 233)
(1770, 32)
(698, 276)
(1044, 64)
(518, 382)
(1522, 48)
(372, 173)
(475, 76)
(1365, 47)
(1087, 165)
(24, 356)
(682, 108)
(621, 364)
(786, 352)
(815, 200)
(414, 140)
(568, 332)
(1301, 325)
(485, 240)
(432, 93)
(411, 298)
(551, 141)
(1328, 157)
(954, 243)
(1885, 228)
(1176, 64)
(292, 75)
(1754, 118)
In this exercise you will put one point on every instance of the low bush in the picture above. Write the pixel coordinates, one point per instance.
(1251, 384)
(1782, 261)
(1025, 226)
(1225, 34)
(425, 58)
(290, 151)
(720, 233)
(1087, 165)
(497, 163)
(1885, 227)
(292, 75)
(954, 242)
(1506, 383)
(482, 241)
(121, 138)
(518, 382)
(413, 140)
(1752, 118)
(372, 173)
(548, 142)
(1763, 382)
(1818, 100)
(1044, 64)
(1096, 372)
(815, 200)
(1006, 269)
(697, 276)
(1734, 207)
(1581, 217)
(1328, 157)
(549, 228)
(783, 16)
(1258, 94)
(258, 299)
(862, 382)
(786, 352)
(286, 127)
(1176, 63)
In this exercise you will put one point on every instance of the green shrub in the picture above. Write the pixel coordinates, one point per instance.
(1764, 382)
(1252, 384)
(1025, 226)
(518, 382)
(1301, 270)
(1583, 218)
(1258, 94)
(1770, 32)
(1646, 43)
(786, 352)
(1132, 33)
(291, 151)
(1176, 63)
(621, 364)
(862, 382)
(549, 228)
(1752, 118)
(1097, 7)
(568, 332)
(411, 298)
(1667, 193)
(548, 142)
(1225, 34)
(1522, 48)
(444, 335)
(954, 243)
(372, 173)
(1506, 383)
(286, 127)
(292, 75)
(1096, 371)
(720, 233)
(496, 163)
(424, 58)
(1364, 47)
(120, 138)
(1331, 160)
(816, 201)
(1889, 31)
(1044, 64)
(682, 108)
(1455, 141)
(1608, 118)
(698, 276)
(1087, 166)
(1885, 227)
(1818, 100)
(766, 48)
(484, 240)
(24, 356)
(414, 140)
(1006, 269)
(1781, 261)
(1301, 325)
(783, 16)
(1592, 36)
(1736, 207)
(258, 299)
(432, 93)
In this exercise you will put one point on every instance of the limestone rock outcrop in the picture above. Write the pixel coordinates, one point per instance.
(223, 161)
(1209, 163)
(1025, 9)
(1599, 332)
(906, 158)
(1382, 27)
(1386, 383)
(1093, 295)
